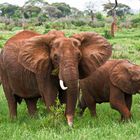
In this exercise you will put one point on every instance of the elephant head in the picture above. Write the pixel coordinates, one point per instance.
(75, 57)
(126, 76)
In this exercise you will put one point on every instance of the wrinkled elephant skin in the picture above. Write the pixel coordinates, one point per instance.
(115, 82)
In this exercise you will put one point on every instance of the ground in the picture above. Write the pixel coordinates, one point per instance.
(44, 126)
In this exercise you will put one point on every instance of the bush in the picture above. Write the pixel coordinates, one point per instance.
(46, 30)
(16, 28)
(107, 34)
(136, 22)
(6, 27)
(97, 24)
(58, 25)
(99, 16)
(79, 22)
(9, 27)
(47, 26)
(2, 25)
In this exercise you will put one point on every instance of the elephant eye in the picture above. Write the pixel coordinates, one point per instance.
(56, 57)
(79, 55)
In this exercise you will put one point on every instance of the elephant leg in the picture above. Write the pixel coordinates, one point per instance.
(12, 103)
(31, 105)
(48, 91)
(128, 101)
(50, 98)
(91, 104)
(117, 101)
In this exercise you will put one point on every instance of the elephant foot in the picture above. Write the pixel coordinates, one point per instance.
(126, 118)
(70, 120)
(93, 114)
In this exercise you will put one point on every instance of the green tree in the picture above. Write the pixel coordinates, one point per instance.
(8, 10)
(31, 11)
(99, 16)
(52, 11)
(121, 9)
(63, 7)
(37, 3)
(75, 12)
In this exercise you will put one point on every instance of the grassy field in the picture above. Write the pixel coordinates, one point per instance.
(106, 126)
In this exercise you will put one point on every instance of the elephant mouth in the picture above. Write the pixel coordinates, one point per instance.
(61, 82)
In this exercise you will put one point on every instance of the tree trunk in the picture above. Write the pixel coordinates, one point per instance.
(114, 24)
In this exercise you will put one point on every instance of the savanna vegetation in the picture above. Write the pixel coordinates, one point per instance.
(42, 17)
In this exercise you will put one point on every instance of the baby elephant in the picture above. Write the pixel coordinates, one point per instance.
(115, 82)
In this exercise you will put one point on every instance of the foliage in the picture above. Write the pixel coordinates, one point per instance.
(107, 34)
(96, 24)
(8, 9)
(31, 11)
(37, 13)
(99, 16)
(79, 22)
(121, 9)
(136, 22)
(52, 11)
(63, 7)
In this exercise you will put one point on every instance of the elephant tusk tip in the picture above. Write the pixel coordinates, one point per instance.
(65, 88)
(70, 124)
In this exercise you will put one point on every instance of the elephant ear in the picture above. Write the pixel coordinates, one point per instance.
(26, 34)
(34, 55)
(135, 73)
(121, 77)
(95, 52)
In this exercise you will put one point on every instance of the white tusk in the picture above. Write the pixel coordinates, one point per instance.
(62, 85)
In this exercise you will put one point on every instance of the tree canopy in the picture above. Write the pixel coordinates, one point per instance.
(41, 10)
(121, 9)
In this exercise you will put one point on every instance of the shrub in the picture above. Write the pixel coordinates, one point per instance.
(136, 22)
(58, 25)
(16, 28)
(2, 25)
(47, 26)
(96, 24)
(9, 27)
(107, 34)
(46, 30)
(99, 16)
(79, 22)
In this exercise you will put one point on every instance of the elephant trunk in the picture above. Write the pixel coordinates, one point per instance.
(70, 77)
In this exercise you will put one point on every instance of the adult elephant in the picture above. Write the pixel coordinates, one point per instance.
(30, 59)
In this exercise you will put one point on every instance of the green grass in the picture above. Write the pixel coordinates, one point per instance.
(126, 45)
(54, 127)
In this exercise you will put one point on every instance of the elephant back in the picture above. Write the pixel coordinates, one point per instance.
(120, 77)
